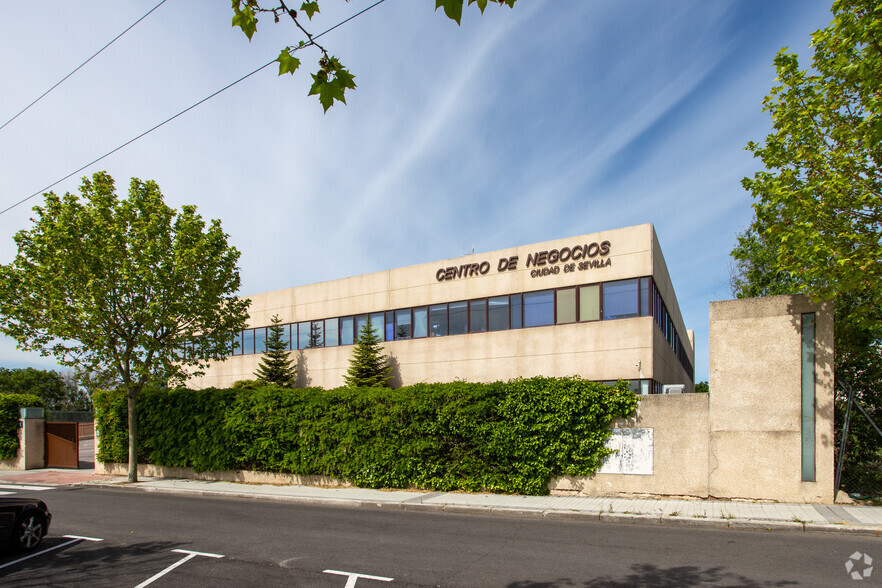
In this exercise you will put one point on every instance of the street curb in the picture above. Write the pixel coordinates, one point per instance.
(757, 525)
(615, 517)
(843, 529)
(497, 511)
(695, 522)
(571, 515)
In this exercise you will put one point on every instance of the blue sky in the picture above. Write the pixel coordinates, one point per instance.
(557, 118)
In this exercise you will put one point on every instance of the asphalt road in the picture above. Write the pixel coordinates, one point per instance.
(266, 543)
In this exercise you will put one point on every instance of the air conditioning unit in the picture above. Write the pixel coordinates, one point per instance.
(673, 388)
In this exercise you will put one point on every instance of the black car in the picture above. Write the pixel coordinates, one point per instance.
(23, 522)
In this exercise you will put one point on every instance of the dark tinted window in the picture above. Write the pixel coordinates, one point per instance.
(497, 313)
(457, 317)
(477, 316)
(437, 320)
(620, 299)
(539, 308)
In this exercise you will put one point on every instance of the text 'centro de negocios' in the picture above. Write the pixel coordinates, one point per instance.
(545, 263)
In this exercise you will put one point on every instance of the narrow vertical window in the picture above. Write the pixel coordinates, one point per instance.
(566, 306)
(332, 332)
(644, 296)
(478, 316)
(260, 340)
(360, 321)
(420, 318)
(438, 320)
(390, 325)
(589, 303)
(402, 324)
(516, 311)
(808, 397)
(458, 318)
(317, 334)
(347, 328)
(303, 335)
(497, 313)
(248, 341)
(378, 325)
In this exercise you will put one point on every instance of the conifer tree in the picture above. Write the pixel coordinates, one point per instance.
(276, 367)
(368, 367)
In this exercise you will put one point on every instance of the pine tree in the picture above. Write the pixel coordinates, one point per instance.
(368, 367)
(276, 367)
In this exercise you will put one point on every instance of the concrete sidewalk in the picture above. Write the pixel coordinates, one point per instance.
(863, 520)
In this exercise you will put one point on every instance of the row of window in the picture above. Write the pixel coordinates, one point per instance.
(604, 301)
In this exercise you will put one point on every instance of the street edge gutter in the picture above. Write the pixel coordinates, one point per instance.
(551, 514)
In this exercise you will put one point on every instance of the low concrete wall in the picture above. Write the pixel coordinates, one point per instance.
(243, 476)
(679, 452)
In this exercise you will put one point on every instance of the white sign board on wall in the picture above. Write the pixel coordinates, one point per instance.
(633, 452)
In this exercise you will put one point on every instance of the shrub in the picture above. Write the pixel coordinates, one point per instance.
(500, 437)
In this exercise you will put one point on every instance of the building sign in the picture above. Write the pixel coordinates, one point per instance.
(544, 263)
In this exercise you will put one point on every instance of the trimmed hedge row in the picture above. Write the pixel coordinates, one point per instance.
(9, 416)
(500, 437)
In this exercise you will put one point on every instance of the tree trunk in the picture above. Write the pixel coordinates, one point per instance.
(132, 395)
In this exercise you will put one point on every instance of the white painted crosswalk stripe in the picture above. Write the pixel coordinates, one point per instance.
(24, 487)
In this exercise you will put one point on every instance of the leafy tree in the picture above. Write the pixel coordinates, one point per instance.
(127, 286)
(276, 367)
(331, 80)
(48, 385)
(702, 387)
(368, 368)
(819, 201)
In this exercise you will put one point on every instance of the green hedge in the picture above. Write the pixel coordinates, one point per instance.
(500, 437)
(9, 416)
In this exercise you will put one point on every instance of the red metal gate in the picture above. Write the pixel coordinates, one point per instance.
(62, 445)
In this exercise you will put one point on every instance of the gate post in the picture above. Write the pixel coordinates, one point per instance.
(32, 439)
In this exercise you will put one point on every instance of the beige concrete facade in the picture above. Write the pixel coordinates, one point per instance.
(629, 348)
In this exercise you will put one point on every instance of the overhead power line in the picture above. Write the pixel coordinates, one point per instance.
(59, 82)
(189, 108)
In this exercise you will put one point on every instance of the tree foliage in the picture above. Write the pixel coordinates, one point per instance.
(818, 210)
(368, 368)
(128, 286)
(276, 366)
(818, 225)
(57, 391)
(332, 79)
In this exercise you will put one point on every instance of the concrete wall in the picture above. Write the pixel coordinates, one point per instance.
(680, 451)
(755, 404)
(31, 447)
(744, 439)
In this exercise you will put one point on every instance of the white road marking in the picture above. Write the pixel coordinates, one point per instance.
(5, 493)
(190, 555)
(352, 577)
(24, 487)
(83, 538)
(73, 539)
